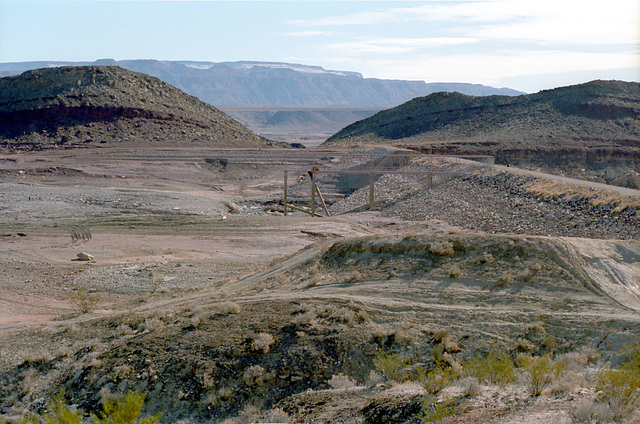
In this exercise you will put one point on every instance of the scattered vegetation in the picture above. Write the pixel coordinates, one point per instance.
(441, 248)
(495, 368)
(341, 381)
(262, 342)
(437, 379)
(434, 410)
(84, 301)
(597, 196)
(391, 365)
(540, 371)
(56, 412)
(125, 410)
(620, 388)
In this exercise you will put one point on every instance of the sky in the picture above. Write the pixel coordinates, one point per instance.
(528, 45)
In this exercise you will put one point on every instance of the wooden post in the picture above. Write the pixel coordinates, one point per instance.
(285, 193)
(313, 195)
(322, 203)
(429, 180)
(370, 191)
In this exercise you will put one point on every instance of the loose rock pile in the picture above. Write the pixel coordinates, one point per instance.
(496, 203)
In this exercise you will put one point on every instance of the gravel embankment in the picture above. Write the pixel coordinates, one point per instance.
(496, 203)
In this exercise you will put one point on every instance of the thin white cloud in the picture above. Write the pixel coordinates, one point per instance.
(362, 18)
(557, 22)
(307, 33)
(394, 45)
(536, 21)
(491, 68)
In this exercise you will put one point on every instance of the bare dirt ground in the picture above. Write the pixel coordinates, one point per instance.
(223, 309)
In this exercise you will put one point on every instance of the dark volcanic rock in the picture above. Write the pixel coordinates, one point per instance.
(80, 106)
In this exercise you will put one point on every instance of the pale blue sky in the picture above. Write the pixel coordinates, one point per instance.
(523, 44)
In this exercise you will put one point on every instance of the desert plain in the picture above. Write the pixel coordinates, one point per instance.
(199, 292)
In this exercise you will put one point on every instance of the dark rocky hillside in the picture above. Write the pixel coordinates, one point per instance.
(590, 130)
(84, 106)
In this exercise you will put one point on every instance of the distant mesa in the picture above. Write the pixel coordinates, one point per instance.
(276, 84)
(64, 107)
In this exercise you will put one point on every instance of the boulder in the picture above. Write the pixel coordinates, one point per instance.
(82, 256)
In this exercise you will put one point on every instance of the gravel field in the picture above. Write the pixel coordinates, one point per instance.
(497, 203)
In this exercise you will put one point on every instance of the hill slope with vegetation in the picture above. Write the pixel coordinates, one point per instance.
(83, 106)
(594, 125)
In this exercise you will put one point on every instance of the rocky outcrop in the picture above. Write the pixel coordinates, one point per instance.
(589, 125)
(79, 106)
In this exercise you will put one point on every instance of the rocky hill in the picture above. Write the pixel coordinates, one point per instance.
(84, 106)
(595, 126)
(276, 84)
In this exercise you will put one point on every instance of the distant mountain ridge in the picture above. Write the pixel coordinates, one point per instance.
(84, 106)
(275, 84)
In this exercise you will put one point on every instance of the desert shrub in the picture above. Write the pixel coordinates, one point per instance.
(437, 379)
(540, 371)
(589, 412)
(495, 368)
(343, 315)
(441, 248)
(151, 325)
(84, 301)
(254, 375)
(441, 335)
(56, 412)
(620, 388)
(226, 308)
(524, 345)
(253, 414)
(36, 357)
(262, 342)
(391, 365)
(434, 411)
(341, 381)
(455, 271)
(124, 411)
(470, 386)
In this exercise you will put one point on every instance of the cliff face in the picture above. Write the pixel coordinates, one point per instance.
(78, 106)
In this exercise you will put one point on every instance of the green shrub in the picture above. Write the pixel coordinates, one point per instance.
(434, 411)
(124, 411)
(84, 301)
(391, 365)
(540, 371)
(437, 379)
(495, 368)
(57, 412)
(620, 388)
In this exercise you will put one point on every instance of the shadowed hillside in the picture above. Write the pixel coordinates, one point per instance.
(594, 125)
(83, 106)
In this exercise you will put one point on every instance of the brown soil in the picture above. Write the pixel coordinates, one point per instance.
(220, 309)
